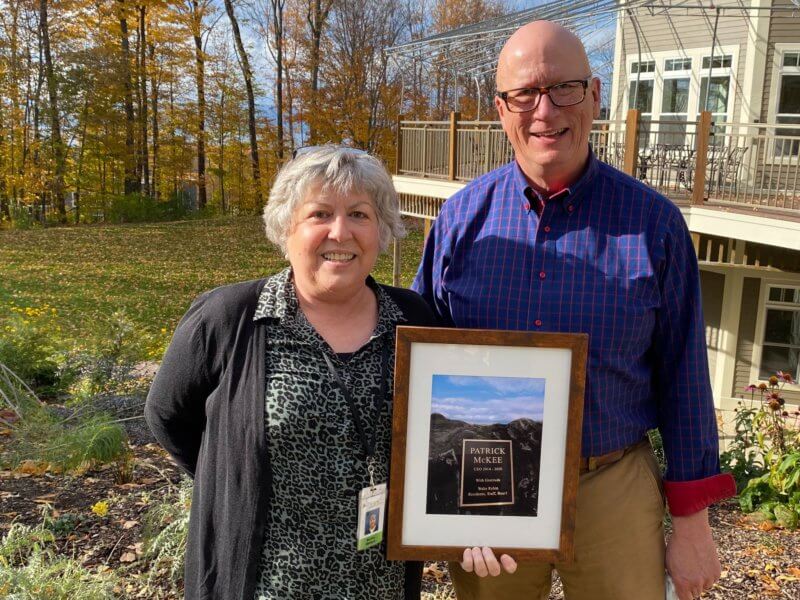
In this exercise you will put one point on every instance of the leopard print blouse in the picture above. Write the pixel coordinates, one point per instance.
(309, 550)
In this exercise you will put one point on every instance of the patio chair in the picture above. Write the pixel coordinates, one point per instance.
(678, 160)
(730, 167)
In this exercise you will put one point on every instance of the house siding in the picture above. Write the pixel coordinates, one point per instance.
(712, 286)
(784, 28)
(747, 331)
(671, 32)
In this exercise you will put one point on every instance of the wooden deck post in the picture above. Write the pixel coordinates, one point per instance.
(398, 162)
(631, 155)
(452, 166)
(701, 157)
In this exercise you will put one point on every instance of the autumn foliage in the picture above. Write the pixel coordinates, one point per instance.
(143, 109)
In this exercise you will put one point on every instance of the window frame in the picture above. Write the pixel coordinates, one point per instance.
(695, 75)
(764, 305)
(778, 71)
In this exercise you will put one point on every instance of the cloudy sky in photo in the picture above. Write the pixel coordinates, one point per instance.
(487, 400)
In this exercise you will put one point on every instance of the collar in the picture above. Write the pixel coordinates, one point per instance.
(570, 197)
(278, 301)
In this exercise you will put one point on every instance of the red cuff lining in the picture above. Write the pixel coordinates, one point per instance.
(688, 497)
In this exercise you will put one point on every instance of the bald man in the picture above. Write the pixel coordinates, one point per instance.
(559, 241)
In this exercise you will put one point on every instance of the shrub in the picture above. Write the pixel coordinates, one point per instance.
(43, 436)
(137, 208)
(107, 366)
(29, 569)
(768, 445)
(29, 346)
(21, 217)
(166, 526)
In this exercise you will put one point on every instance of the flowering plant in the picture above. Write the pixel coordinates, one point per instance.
(766, 453)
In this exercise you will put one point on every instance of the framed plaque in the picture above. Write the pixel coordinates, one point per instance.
(485, 443)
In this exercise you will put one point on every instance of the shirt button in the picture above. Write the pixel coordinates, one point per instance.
(570, 208)
(538, 322)
(528, 207)
(542, 275)
(547, 228)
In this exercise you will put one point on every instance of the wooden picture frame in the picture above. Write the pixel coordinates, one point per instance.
(456, 479)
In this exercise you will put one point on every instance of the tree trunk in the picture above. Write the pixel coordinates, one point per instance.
(144, 159)
(59, 151)
(131, 181)
(201, 106)
(154, 100)
(277, 23)
(316, 17)
(80, 159)
(221, 143)
(251, 105)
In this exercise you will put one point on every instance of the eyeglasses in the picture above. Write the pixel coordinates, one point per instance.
(566, 93)
(308, 149)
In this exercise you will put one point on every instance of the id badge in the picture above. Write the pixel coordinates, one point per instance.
(371, 516)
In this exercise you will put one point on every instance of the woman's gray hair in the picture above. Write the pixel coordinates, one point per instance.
(342, 170)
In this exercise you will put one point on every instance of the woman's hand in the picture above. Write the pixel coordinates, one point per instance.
(483, 562)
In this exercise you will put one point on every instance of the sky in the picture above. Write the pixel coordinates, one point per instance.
(487, 400)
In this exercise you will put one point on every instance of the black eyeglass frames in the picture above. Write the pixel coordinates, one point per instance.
(566, 93)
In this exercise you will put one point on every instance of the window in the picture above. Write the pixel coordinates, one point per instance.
(788, 111)
(674, 108)
(791, 59)
(781, 347)
(720, 62)
(642, 100)
(678, 64)
(717, 104)
(646, 66)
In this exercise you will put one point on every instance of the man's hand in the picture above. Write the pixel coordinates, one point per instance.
(692, 555)
(483, 562)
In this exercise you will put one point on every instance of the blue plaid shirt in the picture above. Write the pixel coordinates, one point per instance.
(609, 257)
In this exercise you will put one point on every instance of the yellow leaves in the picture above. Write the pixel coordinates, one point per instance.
(100, 508)
(32, 467)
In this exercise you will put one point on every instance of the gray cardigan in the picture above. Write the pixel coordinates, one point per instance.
(206, 408)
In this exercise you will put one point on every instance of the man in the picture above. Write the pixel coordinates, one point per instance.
(557, 241)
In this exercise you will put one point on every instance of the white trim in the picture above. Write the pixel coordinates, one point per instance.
(777, 71)
(755, 64)
(761, 317)
(748, 227)
(695, 75)
(725, 365)
(616, 103)
(419, 186)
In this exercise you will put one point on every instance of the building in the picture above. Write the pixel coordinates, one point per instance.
(715, 127)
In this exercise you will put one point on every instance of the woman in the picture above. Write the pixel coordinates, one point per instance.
(252, 396)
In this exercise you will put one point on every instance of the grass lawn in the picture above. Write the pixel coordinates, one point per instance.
(151, 272)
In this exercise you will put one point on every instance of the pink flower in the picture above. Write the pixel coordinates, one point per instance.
(786, 376)
(751, 388)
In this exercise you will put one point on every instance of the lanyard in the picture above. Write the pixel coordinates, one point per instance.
(367, 444)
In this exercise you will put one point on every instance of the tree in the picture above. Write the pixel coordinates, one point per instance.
(247, 73)
(131, 179)
(57, 190)
(317, 12)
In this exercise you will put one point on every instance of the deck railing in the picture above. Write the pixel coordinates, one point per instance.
(703, 161)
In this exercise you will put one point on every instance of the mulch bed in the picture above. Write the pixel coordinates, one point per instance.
(757, 561)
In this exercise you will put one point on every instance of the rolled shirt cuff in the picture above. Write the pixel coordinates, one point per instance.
(688, 497)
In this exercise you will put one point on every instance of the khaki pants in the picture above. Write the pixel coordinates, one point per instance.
(619, 542)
